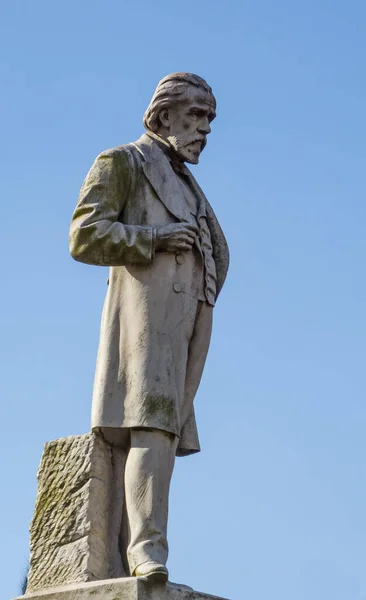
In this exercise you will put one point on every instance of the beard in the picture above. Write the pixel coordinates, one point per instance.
(188, 149)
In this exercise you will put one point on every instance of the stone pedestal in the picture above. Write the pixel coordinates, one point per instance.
(129, 588)
(74, 530)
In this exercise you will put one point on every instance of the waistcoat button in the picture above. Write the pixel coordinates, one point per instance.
(177, 287)
(179, 259)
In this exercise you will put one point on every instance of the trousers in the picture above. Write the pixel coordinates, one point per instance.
(148, 472)
(139, 510)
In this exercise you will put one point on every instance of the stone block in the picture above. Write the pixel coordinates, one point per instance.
(71, 537)
(129, 588)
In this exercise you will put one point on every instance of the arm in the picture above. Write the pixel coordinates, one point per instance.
(96, 235)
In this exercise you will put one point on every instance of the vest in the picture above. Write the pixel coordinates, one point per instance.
(197, 209)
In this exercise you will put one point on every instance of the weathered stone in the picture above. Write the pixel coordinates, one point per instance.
(71, 530)
(129, 588)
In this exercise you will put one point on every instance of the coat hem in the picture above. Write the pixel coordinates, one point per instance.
(184, 450)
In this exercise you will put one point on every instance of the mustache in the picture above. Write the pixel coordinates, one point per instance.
(195, 140)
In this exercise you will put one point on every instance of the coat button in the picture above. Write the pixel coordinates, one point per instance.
(177, 287)
(179, 258)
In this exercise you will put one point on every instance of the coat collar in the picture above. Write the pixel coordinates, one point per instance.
(158, 171)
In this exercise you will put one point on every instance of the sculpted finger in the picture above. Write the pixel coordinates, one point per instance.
(184, 246)
(188, 239)
(191, 227)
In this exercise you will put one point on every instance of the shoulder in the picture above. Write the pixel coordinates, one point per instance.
(118, 153)
(124, 158)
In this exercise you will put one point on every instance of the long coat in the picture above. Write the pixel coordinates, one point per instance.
(129, 191)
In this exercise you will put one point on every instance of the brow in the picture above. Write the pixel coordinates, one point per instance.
(203, 111)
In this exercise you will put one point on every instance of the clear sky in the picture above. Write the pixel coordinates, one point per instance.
(275, 505)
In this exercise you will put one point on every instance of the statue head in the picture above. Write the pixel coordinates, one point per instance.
(181, 111)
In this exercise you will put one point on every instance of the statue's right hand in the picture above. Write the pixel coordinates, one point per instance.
(175, 237)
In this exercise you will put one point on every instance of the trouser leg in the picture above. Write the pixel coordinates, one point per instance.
(148, 472)
(118, 439)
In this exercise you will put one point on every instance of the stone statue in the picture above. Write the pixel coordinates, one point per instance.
(142, 213)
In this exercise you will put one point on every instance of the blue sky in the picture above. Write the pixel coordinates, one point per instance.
(274, 506)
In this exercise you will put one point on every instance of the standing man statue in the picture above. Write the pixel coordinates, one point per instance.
(142, 213)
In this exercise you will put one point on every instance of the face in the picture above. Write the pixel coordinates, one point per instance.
(187, 125)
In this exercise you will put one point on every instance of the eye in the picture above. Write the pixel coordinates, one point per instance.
(196, 113)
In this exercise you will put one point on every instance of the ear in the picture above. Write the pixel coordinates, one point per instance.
(164, 117)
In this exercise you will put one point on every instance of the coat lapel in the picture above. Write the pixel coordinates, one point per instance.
(158, 171)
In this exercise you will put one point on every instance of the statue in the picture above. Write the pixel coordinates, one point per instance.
(142, 213)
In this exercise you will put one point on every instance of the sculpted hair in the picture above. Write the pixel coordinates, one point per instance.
(171, 90)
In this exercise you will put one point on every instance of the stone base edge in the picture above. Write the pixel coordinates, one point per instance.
(128, 588)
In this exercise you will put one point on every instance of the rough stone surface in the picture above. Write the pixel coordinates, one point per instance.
(129, 588)
(70, 530)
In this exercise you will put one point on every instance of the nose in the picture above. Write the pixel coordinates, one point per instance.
(204, 126)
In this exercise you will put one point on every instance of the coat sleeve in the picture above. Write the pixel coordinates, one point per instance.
(97, 237)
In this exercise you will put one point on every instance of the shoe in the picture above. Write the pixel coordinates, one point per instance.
(153, 571)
